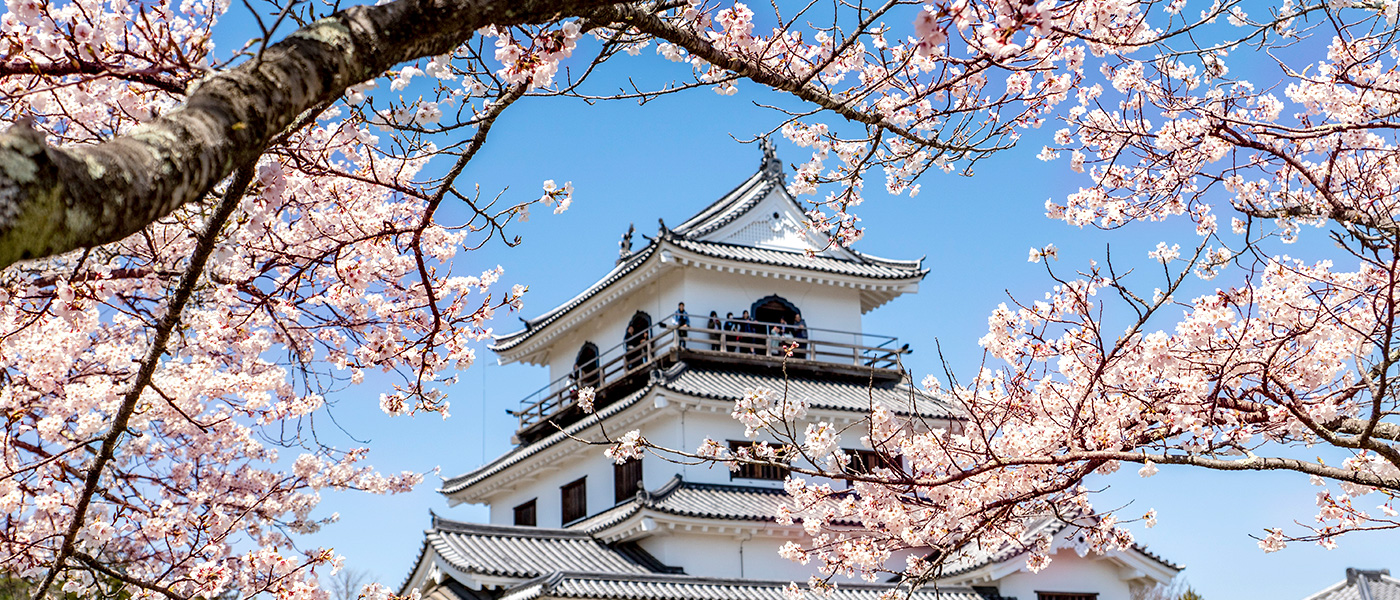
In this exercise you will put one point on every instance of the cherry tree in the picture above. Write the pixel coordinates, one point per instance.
(201, 250)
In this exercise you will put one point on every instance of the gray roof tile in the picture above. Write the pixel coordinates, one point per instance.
(821, 393)
(523, 552)
(972, 557)
(686, 587)
(702, 500)
(1379, 586)
(867, 267)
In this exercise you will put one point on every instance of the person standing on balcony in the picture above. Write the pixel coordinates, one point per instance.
(748, 343)
(635, 356)
(731, 328)
(682, 324)
(799, 332)
(777, 335)
(715, 327)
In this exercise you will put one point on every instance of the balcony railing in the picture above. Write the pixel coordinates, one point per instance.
(746, 342)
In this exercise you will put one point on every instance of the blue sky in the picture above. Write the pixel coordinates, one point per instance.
(671, 157)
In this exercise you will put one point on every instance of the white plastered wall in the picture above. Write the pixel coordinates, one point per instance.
(1068, 572)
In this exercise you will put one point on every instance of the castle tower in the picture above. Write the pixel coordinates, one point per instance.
(566, 522)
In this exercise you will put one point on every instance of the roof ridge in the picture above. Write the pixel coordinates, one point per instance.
(452, 526)
(689, 226)
(703, 579)
(731, 487)
(509, 340)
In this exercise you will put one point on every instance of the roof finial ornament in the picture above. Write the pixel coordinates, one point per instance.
(624, 247)
(772, 167)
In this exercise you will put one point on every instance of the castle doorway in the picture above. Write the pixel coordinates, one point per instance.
(638, 340)
(774, 309)
(586, 371)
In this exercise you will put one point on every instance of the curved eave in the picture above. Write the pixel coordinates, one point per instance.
(509, 346)
(996, 564)
(729, 207)
(878, 282)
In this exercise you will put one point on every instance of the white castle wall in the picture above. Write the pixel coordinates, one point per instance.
(1069, 573)
(823, 306)
(727, 555)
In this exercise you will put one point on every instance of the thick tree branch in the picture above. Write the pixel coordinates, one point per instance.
(53, 200)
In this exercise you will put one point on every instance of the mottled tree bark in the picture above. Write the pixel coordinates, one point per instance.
(53, 200)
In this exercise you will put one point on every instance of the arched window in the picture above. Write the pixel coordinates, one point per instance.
(638, 340)
(783, 317)
(586, 371)
(774, 309)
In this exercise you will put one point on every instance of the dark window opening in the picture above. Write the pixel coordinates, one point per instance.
(774, 309)
(574, 498)
(748, 471)
(864, 462)
(1065, 596)
(525, 514)
(627, 480)
(638, 340)
(779, 322)
(586, 371)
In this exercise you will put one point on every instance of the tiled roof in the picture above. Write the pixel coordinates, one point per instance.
(974, 557)
(713, 217)
(1362, 585)
(510, 340)
(728, 385)
(867, 267)
(728, 208)
(523, 552)
(820, 393)
(452, 590)
(685, 587)
(701, 500)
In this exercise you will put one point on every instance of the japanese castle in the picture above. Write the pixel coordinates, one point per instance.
(566, 522)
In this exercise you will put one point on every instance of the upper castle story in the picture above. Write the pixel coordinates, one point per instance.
(751, 253)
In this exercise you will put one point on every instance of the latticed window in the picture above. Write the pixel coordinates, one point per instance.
(627, 479)
(769, 472)
(525, 514)
(574, 498)
(866, 461)
(1065, 596)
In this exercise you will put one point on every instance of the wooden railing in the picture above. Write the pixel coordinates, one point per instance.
(747, 340)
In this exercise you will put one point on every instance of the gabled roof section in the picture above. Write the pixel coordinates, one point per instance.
(974, 557)
(756, 223)
(687, 587)
(523, 552)
(697, 500)
(869, 266)
(1362, 584)
(728, 208)
(623, 268)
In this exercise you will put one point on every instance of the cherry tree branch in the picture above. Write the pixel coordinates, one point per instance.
(53, 200)
(647, 22)
(159, 338)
